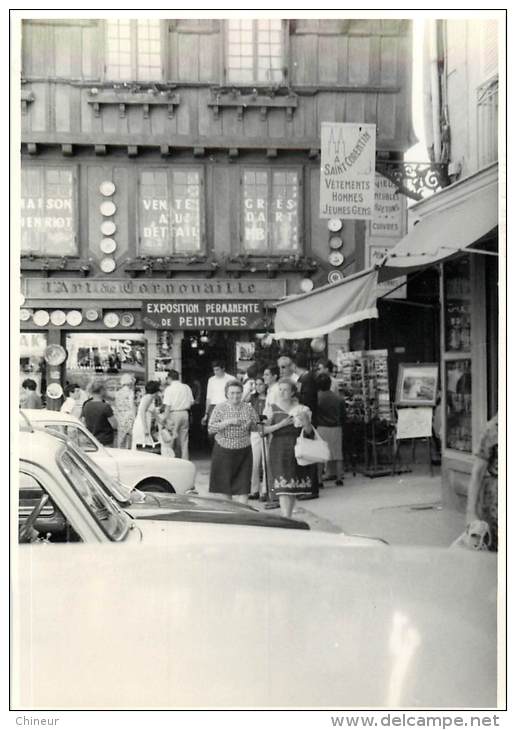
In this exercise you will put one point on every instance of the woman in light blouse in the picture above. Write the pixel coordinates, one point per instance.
(232, 461)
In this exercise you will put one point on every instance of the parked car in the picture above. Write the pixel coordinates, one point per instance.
(203, 622)
(146, 505)
(64, 497)
(148, 472)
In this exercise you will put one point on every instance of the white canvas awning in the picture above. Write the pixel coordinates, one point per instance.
(445, 232)
(328, 308)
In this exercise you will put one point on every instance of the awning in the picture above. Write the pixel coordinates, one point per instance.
(444, 233)
(328, 308)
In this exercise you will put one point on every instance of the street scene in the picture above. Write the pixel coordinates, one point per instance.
(257, 428)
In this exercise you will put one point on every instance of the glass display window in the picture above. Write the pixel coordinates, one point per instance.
(457, 305)
(458, 405)
(32, 361)
(105, 356)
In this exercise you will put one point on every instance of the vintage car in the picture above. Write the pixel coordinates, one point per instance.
(143, 505)
(65, 498)
(279, 623)
(148, 472)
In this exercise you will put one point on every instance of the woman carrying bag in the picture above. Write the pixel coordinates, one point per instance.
(286, 421)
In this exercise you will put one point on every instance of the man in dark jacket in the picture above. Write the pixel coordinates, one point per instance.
(308, 396)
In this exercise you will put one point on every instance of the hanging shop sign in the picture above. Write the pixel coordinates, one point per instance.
(213, 315)
(348, 154)
(39, 288)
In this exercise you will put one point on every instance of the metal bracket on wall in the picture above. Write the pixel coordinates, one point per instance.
(412, 178)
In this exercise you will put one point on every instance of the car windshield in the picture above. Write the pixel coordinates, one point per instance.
(113, 486)
(106, 513)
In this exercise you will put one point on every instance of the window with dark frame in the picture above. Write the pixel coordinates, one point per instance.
(254, 51)
(48, 217)
(270, 211)
(133, 50)
(170, 211)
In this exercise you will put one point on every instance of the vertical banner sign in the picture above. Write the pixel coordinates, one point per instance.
(348, 156)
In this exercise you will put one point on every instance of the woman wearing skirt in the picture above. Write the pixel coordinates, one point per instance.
(288, 478)
(232, 458)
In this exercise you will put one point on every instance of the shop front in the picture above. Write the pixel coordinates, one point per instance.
(77, 330)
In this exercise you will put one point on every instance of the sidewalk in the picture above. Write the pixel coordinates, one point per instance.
(403, 509)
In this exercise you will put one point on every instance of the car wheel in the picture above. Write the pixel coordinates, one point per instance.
(156, 485)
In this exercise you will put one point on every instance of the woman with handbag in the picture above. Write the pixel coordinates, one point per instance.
(286, 421)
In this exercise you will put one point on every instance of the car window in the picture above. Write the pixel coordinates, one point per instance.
(50, 525)
(108, 516)
(75, 434)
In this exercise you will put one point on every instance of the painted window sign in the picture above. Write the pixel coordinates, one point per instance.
(170, 212)
(270, 211)
(48, 211)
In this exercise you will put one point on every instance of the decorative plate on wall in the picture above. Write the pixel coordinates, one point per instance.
(335, 243)
(25, 314)
(41, 317)
(54, 391)
(22, 299)
(334, 225)
(107, 188)
(58, 317)
(55, 355)
(127, 319)
(108, 208)
(336, 258)
(335, 276)
(111, 319)
(108, 228)
(74, 318)
(108, 245)
(306, 285)
(108, 265)
(91, 315)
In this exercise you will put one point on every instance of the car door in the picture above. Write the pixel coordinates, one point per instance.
(81, 438)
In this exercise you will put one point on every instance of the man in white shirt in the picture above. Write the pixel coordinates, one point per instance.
(72, 404)
(215, 392)
(178, 399)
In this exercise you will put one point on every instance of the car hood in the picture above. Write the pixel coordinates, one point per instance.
(169, 509)
(130, 456)
(237, 623)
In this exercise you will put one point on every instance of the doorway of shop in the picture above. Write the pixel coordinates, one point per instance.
(199, 349)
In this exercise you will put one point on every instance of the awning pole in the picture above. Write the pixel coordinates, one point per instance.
(471, 250)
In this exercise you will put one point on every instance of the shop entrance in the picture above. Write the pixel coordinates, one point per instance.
(199, 349)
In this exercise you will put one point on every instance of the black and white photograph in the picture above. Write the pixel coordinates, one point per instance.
(243, 243)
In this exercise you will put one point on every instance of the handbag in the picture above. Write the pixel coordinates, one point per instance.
(311, 451)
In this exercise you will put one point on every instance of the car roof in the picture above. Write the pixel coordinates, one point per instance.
(42, 414)
(38, 446)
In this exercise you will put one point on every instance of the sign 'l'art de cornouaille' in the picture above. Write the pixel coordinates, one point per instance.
(348, 153)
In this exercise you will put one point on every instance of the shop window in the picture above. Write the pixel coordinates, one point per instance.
(105, 357)
(32, 362)
(254, 51)
(133, 50)
(170, 211)
(48, 218)
(458, 405)
(270, 211)
(457, 355)
(457, 306)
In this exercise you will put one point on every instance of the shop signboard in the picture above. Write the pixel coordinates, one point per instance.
(348, 156)
(389, 210)
(198, 315)
(153, 289)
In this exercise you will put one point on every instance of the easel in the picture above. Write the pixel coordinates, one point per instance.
(409, 421)
(397, 445)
